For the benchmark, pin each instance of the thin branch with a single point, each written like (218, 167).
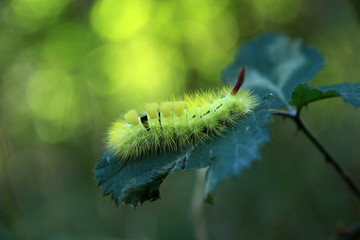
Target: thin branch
(330, 159)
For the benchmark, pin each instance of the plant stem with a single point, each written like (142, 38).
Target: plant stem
(198, 206)
(330, 159)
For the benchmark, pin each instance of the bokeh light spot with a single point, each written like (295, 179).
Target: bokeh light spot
(54, 103)
(277, 10)
(66, 46)
(117, 20)
(144, 69)
(33, 14)
(209, 44)
(203, 10)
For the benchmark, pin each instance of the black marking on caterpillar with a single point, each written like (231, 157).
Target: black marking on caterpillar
(179, 124)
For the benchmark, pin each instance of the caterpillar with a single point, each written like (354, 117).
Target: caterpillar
(179, 123)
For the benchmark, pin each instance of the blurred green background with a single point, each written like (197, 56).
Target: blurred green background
(68, 68)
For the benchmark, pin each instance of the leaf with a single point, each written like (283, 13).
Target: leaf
(236, 150)
(136, 181)
(275, 65)
(304, 94)
(139, 180)
(350, 92)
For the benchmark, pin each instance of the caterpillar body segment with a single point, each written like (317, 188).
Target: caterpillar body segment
(179, 124)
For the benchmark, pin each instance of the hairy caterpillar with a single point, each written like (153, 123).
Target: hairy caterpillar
(179, 124)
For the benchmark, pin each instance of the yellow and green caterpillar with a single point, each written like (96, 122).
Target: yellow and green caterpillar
(179, 123)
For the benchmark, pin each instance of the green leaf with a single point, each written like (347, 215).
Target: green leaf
(275, 64)
(236, 150)
(350, 92)
(304, 94)
(139, 180)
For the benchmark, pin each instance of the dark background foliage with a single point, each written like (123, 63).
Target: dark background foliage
(68, 68)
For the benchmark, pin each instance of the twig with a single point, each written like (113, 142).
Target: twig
(330, 159)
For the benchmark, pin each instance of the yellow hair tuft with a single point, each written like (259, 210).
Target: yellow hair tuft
(132, 117)
(152, 109)
(179, 108)
(165, 108)
(181, 123)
